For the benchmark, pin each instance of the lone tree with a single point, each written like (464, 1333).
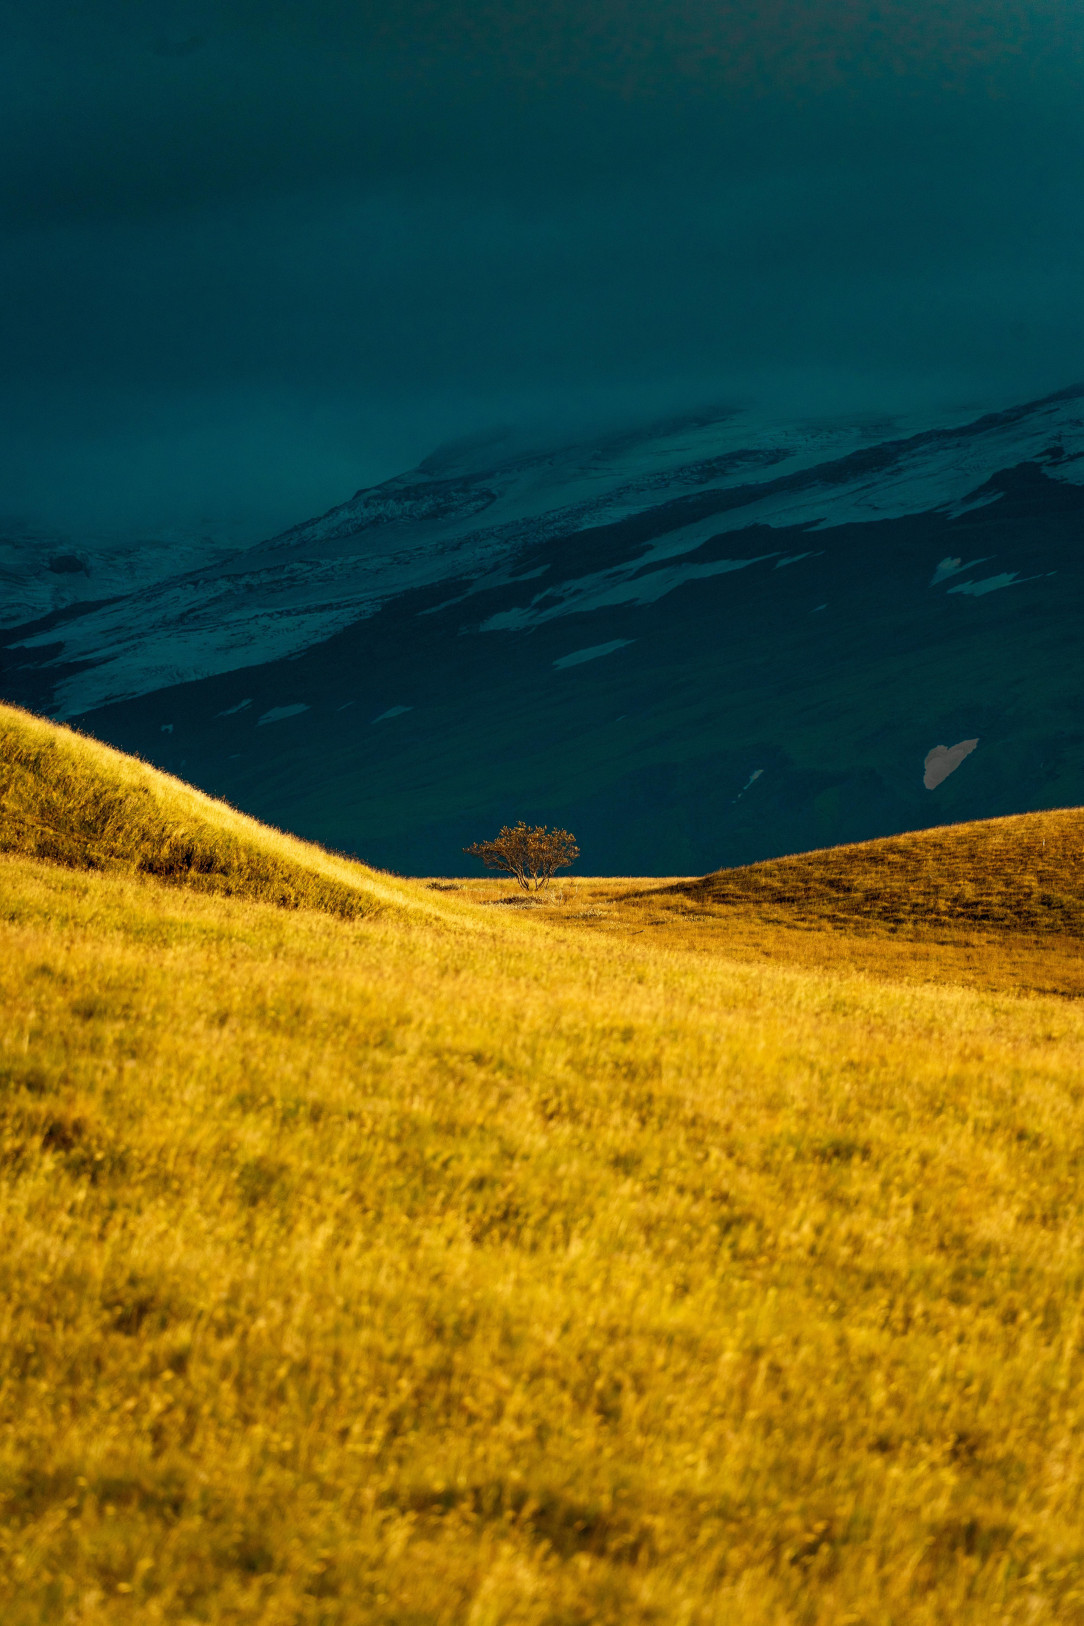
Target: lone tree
(531, 853)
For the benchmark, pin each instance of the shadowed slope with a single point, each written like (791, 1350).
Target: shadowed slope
(1021, 874)
(73, 801)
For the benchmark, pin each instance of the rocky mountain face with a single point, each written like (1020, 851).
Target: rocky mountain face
(715, 640)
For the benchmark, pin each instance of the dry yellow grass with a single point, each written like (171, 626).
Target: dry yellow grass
(1023, 874)
(997, 904)
(462, 1264)
(79, 803)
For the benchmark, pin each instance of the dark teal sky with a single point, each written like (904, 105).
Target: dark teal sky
(256, 255)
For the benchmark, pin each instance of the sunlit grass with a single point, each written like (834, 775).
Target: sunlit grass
(79, 803)
(460, 1263)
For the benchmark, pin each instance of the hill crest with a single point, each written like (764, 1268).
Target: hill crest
(1024, 872)
(73, 801)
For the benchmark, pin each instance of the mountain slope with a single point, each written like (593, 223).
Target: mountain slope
(709, 643)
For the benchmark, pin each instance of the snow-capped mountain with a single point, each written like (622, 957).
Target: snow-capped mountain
(476, 519)
(722, 585)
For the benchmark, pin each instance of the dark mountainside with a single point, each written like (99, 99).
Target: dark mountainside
(705, 645)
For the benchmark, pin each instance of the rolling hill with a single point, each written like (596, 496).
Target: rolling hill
(373, 1253)
(1021, 875)
(76, 802)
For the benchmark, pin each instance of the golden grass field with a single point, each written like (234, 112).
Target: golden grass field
(670, 1252)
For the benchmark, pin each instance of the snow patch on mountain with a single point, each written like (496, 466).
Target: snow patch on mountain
(609, 587)
(279, 714)
(593, 653)
(992, 584)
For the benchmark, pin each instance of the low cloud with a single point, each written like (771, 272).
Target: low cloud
(259, 256)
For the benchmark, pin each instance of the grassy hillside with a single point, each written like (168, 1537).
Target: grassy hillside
(459, 1264)
(1020, 874)
(75, 802)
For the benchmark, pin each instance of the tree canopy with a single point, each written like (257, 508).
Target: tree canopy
(532, 853)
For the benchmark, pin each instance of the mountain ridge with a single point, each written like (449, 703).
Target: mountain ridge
(614, 635)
